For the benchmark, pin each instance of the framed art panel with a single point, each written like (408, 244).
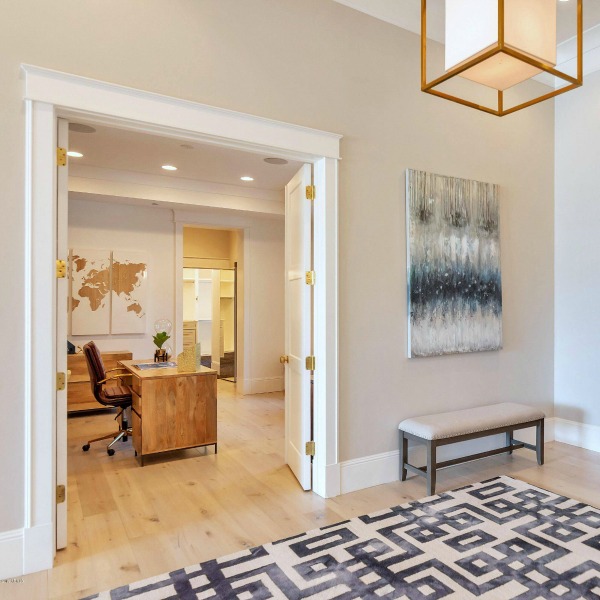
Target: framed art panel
(453, 253)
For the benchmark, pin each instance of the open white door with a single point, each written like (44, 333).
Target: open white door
(62, 287)
(298, 325)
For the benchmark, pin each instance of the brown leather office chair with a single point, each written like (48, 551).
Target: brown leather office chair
(118, 396)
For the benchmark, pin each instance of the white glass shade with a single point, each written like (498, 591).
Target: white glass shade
(472, 29)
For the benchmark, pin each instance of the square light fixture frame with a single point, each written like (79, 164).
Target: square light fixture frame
(501, 47)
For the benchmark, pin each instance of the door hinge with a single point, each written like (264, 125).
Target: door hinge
(310, 363)
(310, 192)
(310, 448)
(61, 269)
(61, 380)
(310, 278)
(61, 494)
(61, 157)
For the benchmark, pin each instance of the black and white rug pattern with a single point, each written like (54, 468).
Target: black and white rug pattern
(500, 539)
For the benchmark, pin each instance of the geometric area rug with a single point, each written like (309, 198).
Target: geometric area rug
(499, 539)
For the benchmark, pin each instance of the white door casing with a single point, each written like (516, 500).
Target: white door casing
(50, 94)
(298, 325)
(62, 289)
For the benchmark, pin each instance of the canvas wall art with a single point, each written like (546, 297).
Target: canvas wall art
(90, 292)
(454, 279)
(108, 292)
(129, 271)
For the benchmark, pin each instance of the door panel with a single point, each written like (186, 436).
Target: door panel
(62, 287)
(298, 342)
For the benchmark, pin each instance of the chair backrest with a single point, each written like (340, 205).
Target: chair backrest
(95, 366)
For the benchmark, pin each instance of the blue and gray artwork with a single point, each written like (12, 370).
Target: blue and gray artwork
(454, 283)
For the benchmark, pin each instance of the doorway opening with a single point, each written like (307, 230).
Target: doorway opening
(49, 95)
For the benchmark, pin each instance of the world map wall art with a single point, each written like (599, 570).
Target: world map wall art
(453, 253)
(108, 292)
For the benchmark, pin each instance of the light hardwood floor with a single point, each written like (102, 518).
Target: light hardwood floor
(127, 523)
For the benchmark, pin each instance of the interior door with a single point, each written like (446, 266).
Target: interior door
(62, 287)
(298, 325)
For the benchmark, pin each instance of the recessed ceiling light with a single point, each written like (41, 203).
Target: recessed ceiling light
(74, 154)
(246, 178)
(169, 168)
(81, 128)
(276, 161)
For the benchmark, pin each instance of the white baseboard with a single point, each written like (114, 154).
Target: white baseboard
(263, 385)
(383, 468)
(577, 434)
(11, 554)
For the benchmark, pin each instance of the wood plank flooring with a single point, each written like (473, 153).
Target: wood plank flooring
(127, 522)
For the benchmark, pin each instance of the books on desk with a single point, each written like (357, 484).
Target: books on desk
(160, 365)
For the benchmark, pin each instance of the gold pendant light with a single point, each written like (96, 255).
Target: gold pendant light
(498, 45)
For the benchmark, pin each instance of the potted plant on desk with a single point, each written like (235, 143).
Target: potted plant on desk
(161, 354)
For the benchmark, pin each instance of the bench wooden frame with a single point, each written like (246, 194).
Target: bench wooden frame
(429, 471)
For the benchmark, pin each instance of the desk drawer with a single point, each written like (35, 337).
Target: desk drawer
(136, 384)
(136, 403)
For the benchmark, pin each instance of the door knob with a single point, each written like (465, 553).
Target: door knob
(284, 359)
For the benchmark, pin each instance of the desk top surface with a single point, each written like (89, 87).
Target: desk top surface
(160, 373)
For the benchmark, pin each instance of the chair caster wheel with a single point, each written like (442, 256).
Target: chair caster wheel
(110, 451)
(124, 438)
(85, 447)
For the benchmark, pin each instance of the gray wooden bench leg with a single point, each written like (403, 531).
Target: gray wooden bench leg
(431, 467)
(403, 455)
(509, 440)
(539, 441)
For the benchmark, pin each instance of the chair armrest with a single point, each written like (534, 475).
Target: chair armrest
(117, 369)
(110, 378)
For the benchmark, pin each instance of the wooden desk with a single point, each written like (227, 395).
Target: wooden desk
(171, 410)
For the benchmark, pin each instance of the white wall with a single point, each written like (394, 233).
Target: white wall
(123, 227)
(577, 267)
(319, 64)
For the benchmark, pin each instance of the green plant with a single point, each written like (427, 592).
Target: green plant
(160, 338)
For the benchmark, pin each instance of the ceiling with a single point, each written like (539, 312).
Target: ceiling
(124, 150)
(407, 14)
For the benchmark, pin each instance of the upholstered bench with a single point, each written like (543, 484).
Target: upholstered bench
(460, 425)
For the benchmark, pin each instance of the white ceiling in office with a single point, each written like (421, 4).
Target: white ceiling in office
(124, 150)
(407, 14)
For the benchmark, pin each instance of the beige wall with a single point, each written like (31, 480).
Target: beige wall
(208, 243)
(323, 65)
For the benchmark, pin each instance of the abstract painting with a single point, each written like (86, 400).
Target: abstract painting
(453, 253)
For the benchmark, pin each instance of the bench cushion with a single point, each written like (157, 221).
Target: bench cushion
(470, 420)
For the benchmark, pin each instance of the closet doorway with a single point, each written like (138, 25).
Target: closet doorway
(210, 317)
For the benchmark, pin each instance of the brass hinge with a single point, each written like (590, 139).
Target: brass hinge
(310, 363)
(61, 157)
(61, 269)
(310, 192)
(310, 448)
(61, 494)
(61, 380)
(310, 278)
